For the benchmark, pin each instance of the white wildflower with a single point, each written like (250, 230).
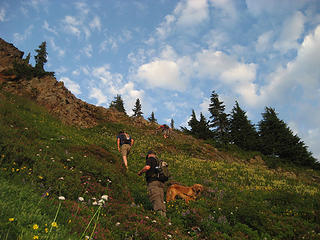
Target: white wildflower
(62, 198)
(94, 203)
(100, 202)
(81, 199)
(61, 178)
(169, 236)
(105, 197)
(154, 221)
(117, 224)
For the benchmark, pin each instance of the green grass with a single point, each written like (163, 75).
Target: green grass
(42, 159)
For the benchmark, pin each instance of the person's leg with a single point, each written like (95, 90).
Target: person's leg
(156, 196)
(124, 153)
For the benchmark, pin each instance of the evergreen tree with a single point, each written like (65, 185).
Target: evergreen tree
(278, 140)
(118, 104)
(193, 123)
(27, 59)
(172, 123)
(137, 109)
(40, 59)
(203, 128)
(219, 119)
(242, 132)
(152, 118)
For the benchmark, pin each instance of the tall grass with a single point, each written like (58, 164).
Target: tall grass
(42, 159)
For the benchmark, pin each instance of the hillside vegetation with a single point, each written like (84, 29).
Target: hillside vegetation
(42, 159)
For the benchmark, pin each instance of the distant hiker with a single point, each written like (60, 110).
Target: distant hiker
(124, 143)
(165, 130)
(155, 187)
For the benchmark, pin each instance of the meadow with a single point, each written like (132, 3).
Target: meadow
(64, 182)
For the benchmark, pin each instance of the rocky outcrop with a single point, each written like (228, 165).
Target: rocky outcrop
(8, 54)
(52, 94)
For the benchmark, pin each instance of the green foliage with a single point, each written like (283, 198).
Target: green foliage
(219, 119)
(278, 140)
(137, 109)
(42, 159)
(152, 118)
(242, 132)
(41, 59)
(118, 104)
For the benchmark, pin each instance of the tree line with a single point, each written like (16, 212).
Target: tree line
(271, 136)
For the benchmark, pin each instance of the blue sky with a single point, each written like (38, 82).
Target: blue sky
(171, 54)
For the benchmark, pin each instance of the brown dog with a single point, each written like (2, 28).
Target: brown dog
(187, 193)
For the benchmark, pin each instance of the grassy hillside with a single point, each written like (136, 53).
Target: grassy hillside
(42, 160)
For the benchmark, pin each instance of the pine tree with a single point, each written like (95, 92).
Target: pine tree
(219, 119)
(278, 140)
(152, 118)
(203, 128)
(193, 123)
(172, 123)
(40, 59)
(118, 104)
(242, 132)
(137, 109)
(27, 59)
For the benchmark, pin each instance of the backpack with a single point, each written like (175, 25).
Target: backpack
(161, 170)
(126, 139)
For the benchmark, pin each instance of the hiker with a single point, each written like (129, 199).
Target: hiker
(124, 143)
(155, 187)
(165, 130)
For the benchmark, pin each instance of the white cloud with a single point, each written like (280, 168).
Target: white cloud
(95, 23)
(56, 48)
(2, 14)
(264, 41)
(21, 37)
(88, 50)
(165, 27)
(48, 28)
(97, 94)
(71, 25)
(191, 13)
(71, 85)
(227, 7)
(291, 32)
(161, 73)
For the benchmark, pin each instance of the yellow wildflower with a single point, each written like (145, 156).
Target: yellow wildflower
(46, 230)
(40, 177)
(35, 237)
(35, 226)
(54, 224)
(11, 219)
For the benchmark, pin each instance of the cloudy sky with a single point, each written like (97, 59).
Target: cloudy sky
(171, 54)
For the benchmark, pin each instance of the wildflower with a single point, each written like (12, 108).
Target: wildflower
(100, 202)
(54, 224)
(105, 197)
(117, 224)
(11, 219)
(81, 199)
(35, 226)
(169, 236)
(47, 146)
(62, 198)
(69, 221)
(46, 230)
(26, 128)
(154, 221)
(40, 177)
(94, 203)
(61, 178)
(35, 237)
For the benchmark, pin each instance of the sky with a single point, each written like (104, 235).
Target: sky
(171, 54)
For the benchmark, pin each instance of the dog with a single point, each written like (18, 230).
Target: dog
(187, 193)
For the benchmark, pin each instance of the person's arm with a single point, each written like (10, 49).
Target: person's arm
(132, 141)
(144, 169)
(118, 143)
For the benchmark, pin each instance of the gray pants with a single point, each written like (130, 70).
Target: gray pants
(156, 195)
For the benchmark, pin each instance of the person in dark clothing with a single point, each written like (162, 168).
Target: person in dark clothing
(124, 143)
(165, 130)
(155, 187)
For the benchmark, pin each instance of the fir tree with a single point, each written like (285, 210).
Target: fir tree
(118, 104)
(27, 59)
(242, 132)
(152, 118)
(199, 129)
(193, 123)
(172, 123)
(219, 119)
(278, 140)
(137, 109)
(40, 59)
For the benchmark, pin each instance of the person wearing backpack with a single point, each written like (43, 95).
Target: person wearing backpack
(155, 182)
(124, 143)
